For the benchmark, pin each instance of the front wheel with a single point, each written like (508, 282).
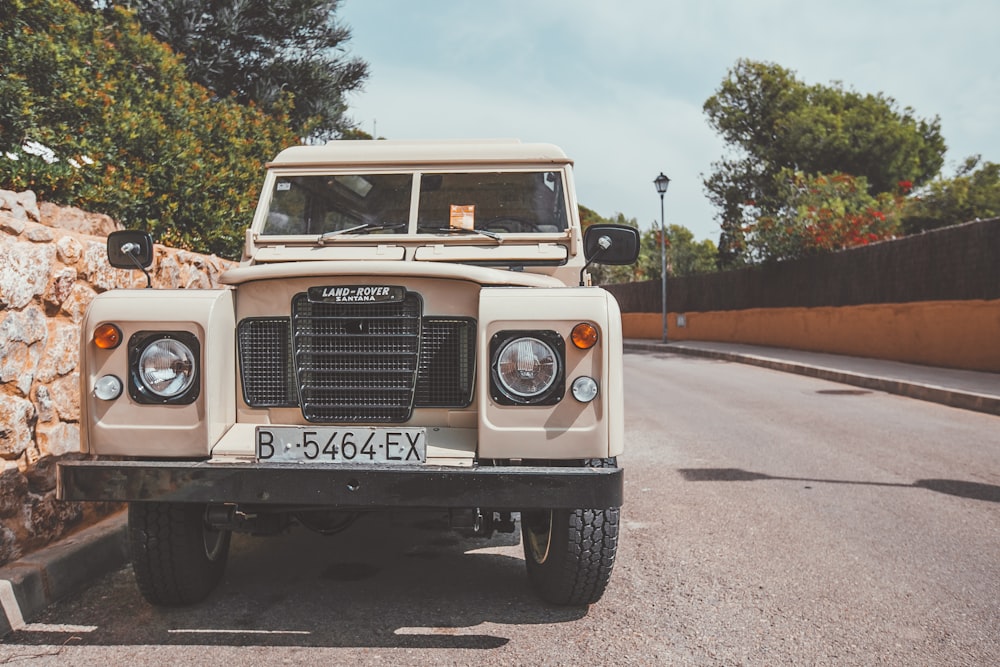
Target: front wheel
(177, 558)
(569, 554)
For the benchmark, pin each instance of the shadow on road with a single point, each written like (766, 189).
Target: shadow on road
(381, 584)
(951, 487)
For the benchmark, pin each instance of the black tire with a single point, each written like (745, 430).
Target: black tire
(177, 559)
(569, 554)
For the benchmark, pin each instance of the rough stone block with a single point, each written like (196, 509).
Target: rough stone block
(68, 249)
(24, 272)
(58, 439)
(62, 352)
(17, 417)
(13, 489)
(60, 286)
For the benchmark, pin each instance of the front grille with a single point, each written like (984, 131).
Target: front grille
(266, 365)
(356, 362)
(447, 360)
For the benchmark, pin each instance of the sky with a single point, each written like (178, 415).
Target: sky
(620, 86)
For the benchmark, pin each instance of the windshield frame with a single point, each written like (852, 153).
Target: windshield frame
(417, 174)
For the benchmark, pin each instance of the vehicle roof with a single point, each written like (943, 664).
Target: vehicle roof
(381, 152)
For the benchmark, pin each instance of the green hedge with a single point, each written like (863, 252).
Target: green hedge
(96, 114)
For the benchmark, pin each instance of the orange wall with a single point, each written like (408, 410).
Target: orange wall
(952, 334)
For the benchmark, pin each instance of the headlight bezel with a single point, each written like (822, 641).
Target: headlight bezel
(139, 391)
(501, 394)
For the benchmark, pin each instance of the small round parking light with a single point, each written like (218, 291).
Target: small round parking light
(585, 389)
(107, 336)
(584, 336)
(108, 388)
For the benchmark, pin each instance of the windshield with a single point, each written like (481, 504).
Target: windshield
(522, 202)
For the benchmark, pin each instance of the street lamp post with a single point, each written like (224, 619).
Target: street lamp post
(661, 182)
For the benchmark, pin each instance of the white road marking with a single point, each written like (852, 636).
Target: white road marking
(202, 631)
(57, 627)
(514, 551)
(449, 631)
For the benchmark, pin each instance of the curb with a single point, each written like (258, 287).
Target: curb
(29, 585)
(951, 397)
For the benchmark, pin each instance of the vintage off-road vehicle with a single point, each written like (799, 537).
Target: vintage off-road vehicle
(411, 327)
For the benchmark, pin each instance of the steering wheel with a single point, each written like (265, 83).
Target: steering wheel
(510, 225)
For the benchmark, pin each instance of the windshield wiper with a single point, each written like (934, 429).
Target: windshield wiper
(463, 230)
(366, 227)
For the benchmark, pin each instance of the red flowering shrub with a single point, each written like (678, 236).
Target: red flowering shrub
(823, 213)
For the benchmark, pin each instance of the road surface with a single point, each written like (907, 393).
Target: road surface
(770, 519)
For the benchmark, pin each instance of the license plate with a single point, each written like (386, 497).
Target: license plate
(330, 444)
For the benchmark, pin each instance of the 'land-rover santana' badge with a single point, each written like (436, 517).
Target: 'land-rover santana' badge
(357, 294)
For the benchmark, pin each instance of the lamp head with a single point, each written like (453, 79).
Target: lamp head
(661, 182)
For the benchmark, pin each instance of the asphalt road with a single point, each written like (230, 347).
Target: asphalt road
(770, 519)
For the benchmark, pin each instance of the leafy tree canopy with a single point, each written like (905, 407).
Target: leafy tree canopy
(589, 217)
(973, 193)
(96, 113)
(773, 124)
(259, 50)
(685, 256)
(823, 213)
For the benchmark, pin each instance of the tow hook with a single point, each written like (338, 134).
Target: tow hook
(479, 523)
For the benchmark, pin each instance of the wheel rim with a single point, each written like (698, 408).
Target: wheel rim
(214, 541)
(539, 535)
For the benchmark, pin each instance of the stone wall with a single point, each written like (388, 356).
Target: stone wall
(52, 264)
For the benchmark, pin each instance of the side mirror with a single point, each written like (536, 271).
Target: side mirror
(129, 249)
(611, 244)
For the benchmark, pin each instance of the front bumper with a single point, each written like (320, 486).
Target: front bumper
(510, 488)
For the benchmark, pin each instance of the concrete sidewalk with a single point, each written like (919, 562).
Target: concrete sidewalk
(969, 390)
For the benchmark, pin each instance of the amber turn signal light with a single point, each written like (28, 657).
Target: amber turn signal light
(107, 336)
(584, 336)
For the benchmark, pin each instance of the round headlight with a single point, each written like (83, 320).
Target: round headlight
(527, 367)
(167, 367)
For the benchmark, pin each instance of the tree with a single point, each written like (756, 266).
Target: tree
(824, 213)
(601, 274)
(95, 113)
(973, 193)
(772, 122)
(685, 256)
(259, 50)
(589, 217)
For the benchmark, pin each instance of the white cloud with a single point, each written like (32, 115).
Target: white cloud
(620, 85)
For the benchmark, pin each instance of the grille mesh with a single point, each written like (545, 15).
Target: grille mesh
(356, 362)
(266, 362)
(447, 360)
(358, 377)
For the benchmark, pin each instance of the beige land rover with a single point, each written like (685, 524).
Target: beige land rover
(411, 328)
